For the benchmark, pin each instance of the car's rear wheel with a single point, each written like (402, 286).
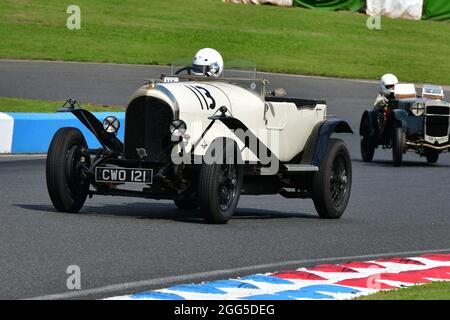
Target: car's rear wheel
(331, 185)
(367, 149)
(398, 143)
(432, 156)
(220, 185)
(66, 185)
(367, 145)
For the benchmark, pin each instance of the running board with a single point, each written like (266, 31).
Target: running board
(301, 168)
(291, 168)
(295, 194)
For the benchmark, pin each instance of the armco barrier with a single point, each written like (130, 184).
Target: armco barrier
(32, 132)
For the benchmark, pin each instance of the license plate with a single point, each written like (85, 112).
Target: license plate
(111, 174)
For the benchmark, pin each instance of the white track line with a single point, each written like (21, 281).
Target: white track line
(132, 286)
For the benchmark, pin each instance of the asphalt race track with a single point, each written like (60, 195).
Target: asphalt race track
(123, 244)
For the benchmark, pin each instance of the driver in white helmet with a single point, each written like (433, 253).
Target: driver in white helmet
(388, 82)
(207, 62)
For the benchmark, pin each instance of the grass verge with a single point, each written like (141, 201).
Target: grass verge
(29, 105)
(290, 40)
(431, 291)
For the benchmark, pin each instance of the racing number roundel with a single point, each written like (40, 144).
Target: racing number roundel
(204, 97)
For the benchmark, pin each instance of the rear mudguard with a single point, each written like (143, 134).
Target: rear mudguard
(235, 124)
(372, 129)
(107, 140)
(317, 144)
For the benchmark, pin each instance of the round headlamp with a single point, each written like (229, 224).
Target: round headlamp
(111, 124)
(418, 109)
(178, 128)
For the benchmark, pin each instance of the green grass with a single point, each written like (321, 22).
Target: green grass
(431, 291)
(291, 40)
(28, 105)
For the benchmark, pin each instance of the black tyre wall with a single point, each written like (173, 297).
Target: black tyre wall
(65, 186)
(321, 184)
(208, 184)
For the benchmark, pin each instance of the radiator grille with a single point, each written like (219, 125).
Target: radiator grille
(437, 126)
(147, 125)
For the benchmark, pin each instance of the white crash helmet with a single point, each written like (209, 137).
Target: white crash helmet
(207, 62)
(388, 81)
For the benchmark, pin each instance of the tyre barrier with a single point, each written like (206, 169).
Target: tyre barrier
(32, 132)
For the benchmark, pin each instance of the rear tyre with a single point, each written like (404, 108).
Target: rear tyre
(432, 156)
(367, 149)
(331, 185)
(66, 185)
(220, 184)
(367, 145)
(398, 146)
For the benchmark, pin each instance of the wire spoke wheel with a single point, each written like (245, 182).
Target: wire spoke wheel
(220, 184)
(74, 175)
(331, 185)
(227, 187)
(338, 180)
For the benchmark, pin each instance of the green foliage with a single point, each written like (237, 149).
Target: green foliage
(432, 291)
(290, 40)
(27, 105)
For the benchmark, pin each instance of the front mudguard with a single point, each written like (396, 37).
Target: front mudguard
(317, 144)
(401, 116)
(370, 118)
(107, 140)
(412, 125)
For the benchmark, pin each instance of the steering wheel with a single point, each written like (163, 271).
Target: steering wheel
(188, 70)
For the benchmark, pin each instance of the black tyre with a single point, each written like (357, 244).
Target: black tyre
(65, 183)
(398, 145)
(367, 145)
(432, 156)
(220, 185)
(367, 149)
(331, 185)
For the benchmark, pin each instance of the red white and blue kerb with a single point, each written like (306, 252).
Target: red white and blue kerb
(327, 281)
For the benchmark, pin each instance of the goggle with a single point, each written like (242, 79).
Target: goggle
(208, 70)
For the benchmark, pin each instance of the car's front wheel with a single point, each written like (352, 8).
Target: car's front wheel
(331, 185)
(398, 145)
(220, 187)
(66, 185)
(432, 156)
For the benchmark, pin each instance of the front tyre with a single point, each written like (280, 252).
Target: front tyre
(220, 186)
(432, 156)
(331, 185)
(398, 146)
(66, 185)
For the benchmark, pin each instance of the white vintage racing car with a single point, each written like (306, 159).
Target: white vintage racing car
(203, 142)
